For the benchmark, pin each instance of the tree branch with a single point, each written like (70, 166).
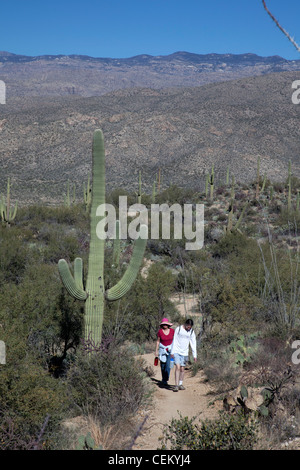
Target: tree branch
(280, 27)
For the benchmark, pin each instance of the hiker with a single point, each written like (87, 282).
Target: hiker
(163, 347)
(183, 337)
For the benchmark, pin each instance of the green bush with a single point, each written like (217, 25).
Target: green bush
(28, 396)
(41, 313)
(149, 302)
(110, 385)
(13, 255)
(228, 432)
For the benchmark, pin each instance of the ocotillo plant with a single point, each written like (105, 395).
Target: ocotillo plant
(7, 213)
(94, 293)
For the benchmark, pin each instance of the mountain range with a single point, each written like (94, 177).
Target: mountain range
(182, 113)
(61, 75)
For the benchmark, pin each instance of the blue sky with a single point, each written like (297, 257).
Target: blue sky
(124, 28)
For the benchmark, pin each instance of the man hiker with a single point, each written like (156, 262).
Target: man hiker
(183, 337)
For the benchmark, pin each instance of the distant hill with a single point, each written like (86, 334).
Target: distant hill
(44, 141)
(62, 75)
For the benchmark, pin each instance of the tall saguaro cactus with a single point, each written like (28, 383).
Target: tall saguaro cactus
(94, 293)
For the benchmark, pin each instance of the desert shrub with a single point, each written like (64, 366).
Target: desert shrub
(113, 197)
(174, 194)
(28, 396)
(279, 186)
(190, 279)
(36, 216)
(218, 367)
(110, 385)
(40, 311)
(228, 432)
(73, 215)
(288, 221)
(59, 245)
(150, 302)
(230, 303)
(13, 255)
(233, 243)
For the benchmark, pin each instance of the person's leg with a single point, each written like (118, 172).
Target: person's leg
(177, 360)
(177, 374)
(168, 367)
(163, 366)
(181, 377)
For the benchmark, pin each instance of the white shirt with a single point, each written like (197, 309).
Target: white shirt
(181, 341)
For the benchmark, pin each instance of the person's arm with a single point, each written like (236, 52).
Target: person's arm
(193, 346)
(157, 347)
(174, 342)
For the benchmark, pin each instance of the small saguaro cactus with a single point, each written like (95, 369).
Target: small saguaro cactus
(139, 194)
(230, 227)
(211, 182)
(87, 194)
(6, 211)
(159, 180)
(94, 293)
(264, 183)
(67, 197)
(154, 192)
(297, 200)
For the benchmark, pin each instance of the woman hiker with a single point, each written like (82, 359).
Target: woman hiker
(163, 347)
(183, 337)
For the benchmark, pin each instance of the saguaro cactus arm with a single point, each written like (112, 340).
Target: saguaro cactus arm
(70, 282)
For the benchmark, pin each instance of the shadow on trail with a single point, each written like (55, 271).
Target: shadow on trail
(159, 384)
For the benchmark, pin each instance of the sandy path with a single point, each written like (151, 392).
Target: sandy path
(194, 401)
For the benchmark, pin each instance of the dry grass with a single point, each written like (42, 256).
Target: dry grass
(107, 437)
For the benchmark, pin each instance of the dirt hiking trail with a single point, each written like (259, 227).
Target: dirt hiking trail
(193, 401)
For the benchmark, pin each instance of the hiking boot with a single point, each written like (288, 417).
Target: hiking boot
(176, 389)
(181, 387)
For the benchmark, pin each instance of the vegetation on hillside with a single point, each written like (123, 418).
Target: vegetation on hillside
(246, 279)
